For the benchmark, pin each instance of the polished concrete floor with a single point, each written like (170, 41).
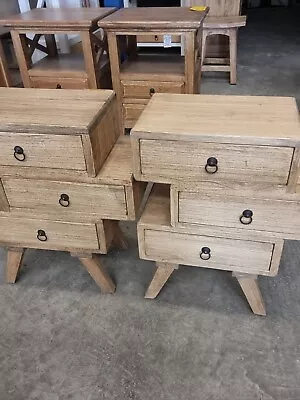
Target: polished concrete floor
(61, 339)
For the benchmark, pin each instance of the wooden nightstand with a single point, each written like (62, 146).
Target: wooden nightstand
(65, 175)
(140, 76)
(232, 168)
(89, 70)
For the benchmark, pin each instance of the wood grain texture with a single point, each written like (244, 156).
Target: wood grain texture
(86, 202)
(4, 205)
(227, 119)
(22, 232)
(146, 89)
(146, 18)
(14, 261)
(51, 111)
(166, 161)
(98, 273)
(161, 275)
(252, 293)
(57, 18)
(224, 22)
(45, 82)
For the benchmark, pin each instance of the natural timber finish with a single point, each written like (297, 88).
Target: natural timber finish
(65, 176)
(162, 274)
(226, 191)
(249, 285)
(90, 70)
(140, 76)
(5, 79)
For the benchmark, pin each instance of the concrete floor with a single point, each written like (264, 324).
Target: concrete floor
(60, 339)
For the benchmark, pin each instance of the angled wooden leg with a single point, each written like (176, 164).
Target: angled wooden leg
(98, 273)
(14, 261)
(233, 54)
(162, 274)
(119, 240)
(252, 292)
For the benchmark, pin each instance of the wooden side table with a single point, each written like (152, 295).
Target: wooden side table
(140, 76)
(62, 71)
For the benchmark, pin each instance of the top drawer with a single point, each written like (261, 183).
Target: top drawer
(167, 161)
(42, 151)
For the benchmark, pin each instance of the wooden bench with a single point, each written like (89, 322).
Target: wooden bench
(225, 26)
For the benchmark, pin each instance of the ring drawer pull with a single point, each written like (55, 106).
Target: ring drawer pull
(211, 166)
(205, 253)
(41, 235)
(64, 200)
(19, 153)
(156, 38)
(58, 86)
(151, 91)
(247, 217)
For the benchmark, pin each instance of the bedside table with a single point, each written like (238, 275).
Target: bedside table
(232, 165)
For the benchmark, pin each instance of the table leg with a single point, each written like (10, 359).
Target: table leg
(252, 292)
(162, 274)
(14, 261)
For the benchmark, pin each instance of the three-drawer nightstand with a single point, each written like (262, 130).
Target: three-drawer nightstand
(230, 166)
(65, 176)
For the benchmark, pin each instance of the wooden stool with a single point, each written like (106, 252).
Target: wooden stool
(5, 79)
(225, 26)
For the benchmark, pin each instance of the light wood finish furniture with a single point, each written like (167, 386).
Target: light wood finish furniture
(227, 195)
(66, 176)
(223, 20)
(89, 70)
(140, 76)
(5, 79)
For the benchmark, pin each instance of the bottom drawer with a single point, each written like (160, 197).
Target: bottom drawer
(156, 38)
(45, 82)
(206, 251)
(50, 235)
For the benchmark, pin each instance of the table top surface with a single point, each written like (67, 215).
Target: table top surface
(41, 111)
(75, 18)
(154, 18)
(232, 119)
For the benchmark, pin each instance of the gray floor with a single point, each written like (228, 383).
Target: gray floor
(60, 339)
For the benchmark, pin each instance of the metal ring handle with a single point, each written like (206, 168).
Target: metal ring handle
(211, 166)
(247, 217)
(151, 91)
(58, 86)
(41, 235)
(64, 200)
(19, 153)
(156, 38)
(205, 253)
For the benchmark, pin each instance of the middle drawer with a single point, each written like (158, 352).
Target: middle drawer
(67, 201)
(259, 214)
(145, 89)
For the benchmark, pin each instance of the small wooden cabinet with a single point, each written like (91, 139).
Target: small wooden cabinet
(88, 69)
(136, 77)
(227, 185)
(65, 175)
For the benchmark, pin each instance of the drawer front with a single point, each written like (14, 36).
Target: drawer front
(132, 113)
(68, 200)
(145, 89)
(244, 213)
(42, 151)
(50, 235)
(58, 83)
(156, 38)
(169, 161)
(225, 254)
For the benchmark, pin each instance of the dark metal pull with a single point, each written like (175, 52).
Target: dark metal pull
(156, 38)
(247, 217)
(151, 91)
(19, 153)
(211, 166)
(205, 253)
(64, 200)
(41, 235)
(58, 86)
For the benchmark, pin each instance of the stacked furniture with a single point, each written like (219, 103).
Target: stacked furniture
(65, 176)
(140, 76)
(86, 70)
(230, 166)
